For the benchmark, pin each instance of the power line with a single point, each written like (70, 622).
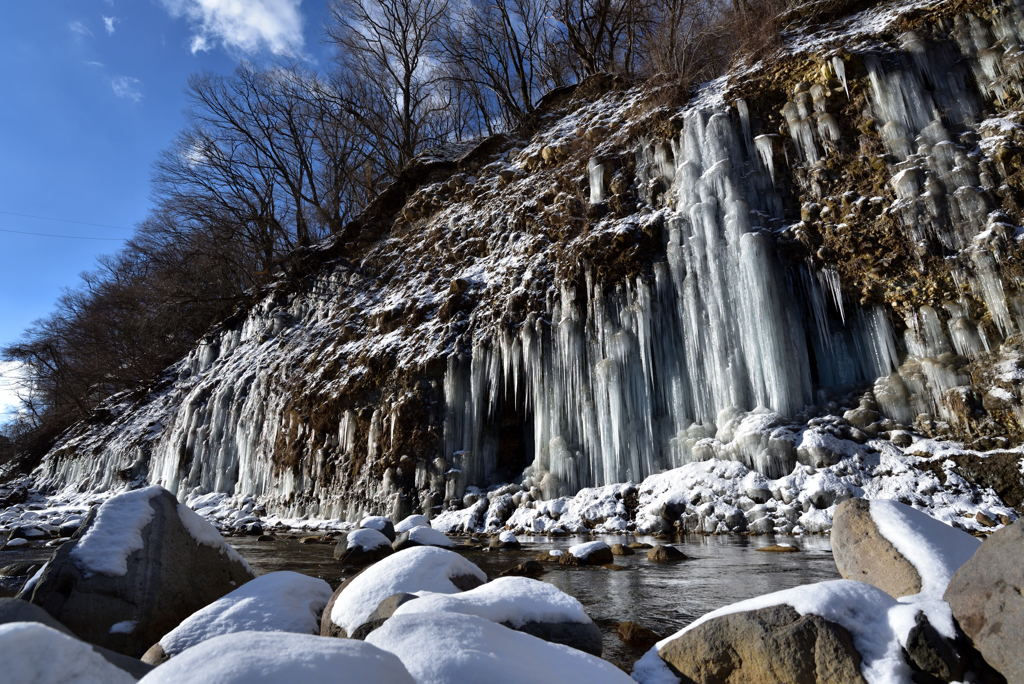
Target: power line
(58, 220)
(57, 235)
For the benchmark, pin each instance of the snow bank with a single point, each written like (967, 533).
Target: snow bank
(276, 602)
(366, 539)
(33, 652)
(513, 601)
(116, 532)
(874, 619)
(275, 657)
(442, 648)
(417, 569)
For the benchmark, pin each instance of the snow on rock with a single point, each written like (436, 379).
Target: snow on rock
(874, 619)
(507, 537)
(15, 543)
(410, 522)
(374, 522)
(587, 549)
(33, 652)
(416, 569)
(935, 549)
(276, 602)
(428, 536)
(205, 533)
(116, 532)
(513, 601)
(275, 657)
(440, 648)
(366, 539)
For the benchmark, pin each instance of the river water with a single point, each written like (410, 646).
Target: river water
(663, 597)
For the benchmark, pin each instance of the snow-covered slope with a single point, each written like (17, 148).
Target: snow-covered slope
(630, 288)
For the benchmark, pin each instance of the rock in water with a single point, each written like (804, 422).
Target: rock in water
(588, 553)
(421, 568)
(665, 554)
(276, 602)
(140, 564)
(896, 548)
(421, 536)
(987, 598)
(380, 524)
(773, 644)
(363, 547)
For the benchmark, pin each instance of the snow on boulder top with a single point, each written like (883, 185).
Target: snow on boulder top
(507, 537)
(33, 652)
(420, 568)
(116, 532)
(275, 657)
(587, 548)
(428, 536)
(276, 602)
(440, 648)
(366, 539)
(513, 601)
(874, 619)
(935, 549)
(412, 521)
(374, 522)
(205, 533)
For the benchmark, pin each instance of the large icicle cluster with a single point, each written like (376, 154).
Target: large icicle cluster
(477, 339)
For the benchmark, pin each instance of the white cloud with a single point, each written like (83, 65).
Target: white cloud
(79, 28)
(245, 25)
(94, 63)
(109, 24)
(127, 87)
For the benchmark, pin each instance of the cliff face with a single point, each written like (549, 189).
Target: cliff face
(634, 287)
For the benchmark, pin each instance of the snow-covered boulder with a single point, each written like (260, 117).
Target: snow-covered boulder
(422, 535)
(363, 547)
(588, 553)
(33, 652)
(276, 602)
(380, 524)
(406, 524)
(987, 598)
(524, 604)
(440, 648)
(138, 566)
(15, 610)
(505, 540)
(896, 548)
(421, 568)
(275, 657)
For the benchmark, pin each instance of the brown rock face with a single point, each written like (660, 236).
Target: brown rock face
(774, 644)
(169, 578)
(665, 554)
(863, 554)
(987, 598)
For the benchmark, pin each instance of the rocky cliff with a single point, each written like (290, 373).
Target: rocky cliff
(820, 246)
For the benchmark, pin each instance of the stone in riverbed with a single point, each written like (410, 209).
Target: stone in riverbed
(529, 568)
(588, 553)
(637, 635)
(778, 548)
(773, 644)
(140, 564)
(987, 598)
(362, 547)
(861, 552)
(665, 554)
(380, 524)
(622, 550)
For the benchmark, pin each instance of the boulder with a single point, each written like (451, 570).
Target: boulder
(380, 524)
(636, 635)
(33, 652)
(987, 598)
(417, 569)
(140, 564)
(896, 548)
(522, 604)
(250, 657)
(773, 644)
(362, 547)
(588, 553)
(410, 522)
(505, 540)
(529, 568)
(281, 601)
(421, 536)
(15, 610)
(384, 610)
(665, 554)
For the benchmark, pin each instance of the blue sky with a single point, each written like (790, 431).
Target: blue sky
(93, 91)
